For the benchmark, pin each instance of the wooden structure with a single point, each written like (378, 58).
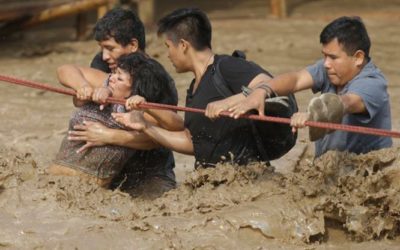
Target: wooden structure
(146, 9)
(278, 8)
(17, 15)
(24, 15)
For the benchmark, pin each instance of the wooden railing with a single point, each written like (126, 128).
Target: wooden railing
(31, 14)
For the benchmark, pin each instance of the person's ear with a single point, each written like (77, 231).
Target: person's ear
(133, 45)
(185, 45)
(359, 57)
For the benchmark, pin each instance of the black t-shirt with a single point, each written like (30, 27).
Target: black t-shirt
(223, 139)
(98, 63)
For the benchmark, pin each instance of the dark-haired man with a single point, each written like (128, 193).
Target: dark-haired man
(188, 39)
(347, 79)
(121, 32)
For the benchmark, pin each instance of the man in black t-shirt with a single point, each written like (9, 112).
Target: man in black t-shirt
(188, 39)
(222, 139)
(121, 32)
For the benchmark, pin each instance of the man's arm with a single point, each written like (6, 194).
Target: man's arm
(166, 119)
(81, 79)
(353, 104)
(76, 77)
(214, 109)
(179, 141)
(291, 82)
(282, 85)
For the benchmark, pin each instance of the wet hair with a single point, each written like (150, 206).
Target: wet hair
(149, 78)
(122, 25)
(190, 24)
(350, 33)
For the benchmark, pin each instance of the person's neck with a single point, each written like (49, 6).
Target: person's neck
(359, 69)
(200, 63)
(365, 62)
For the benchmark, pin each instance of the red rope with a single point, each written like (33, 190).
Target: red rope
(334, 126)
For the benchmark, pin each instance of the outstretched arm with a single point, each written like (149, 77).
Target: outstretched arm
(166, 119)
(179, 141)
(82, 79)
(75, 77)
(214, 109)
(282, 85)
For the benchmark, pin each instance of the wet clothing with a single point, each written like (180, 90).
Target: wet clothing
(147, 173)
(371, 86)
(223, 139)
(130, 168)
(103, 161)
(146, 165)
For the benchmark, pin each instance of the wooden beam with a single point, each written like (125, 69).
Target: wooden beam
(278, 8)
(13, 14)
(81, 26)
(64, 10)
(146, 11)
(53, 13)
(102, 10)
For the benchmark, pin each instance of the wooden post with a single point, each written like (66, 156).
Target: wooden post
(278, 8)
(146, 11)
(81, 26)
(101, 11)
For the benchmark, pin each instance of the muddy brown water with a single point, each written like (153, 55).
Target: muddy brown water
(340, 201)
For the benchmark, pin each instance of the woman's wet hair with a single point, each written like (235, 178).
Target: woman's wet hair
(350, 33)
(122, 25)
(149, 78)
(190, 24)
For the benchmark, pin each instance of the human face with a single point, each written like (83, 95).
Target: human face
(120, 84)
(340, 67)
(176, 55)
(112, 50)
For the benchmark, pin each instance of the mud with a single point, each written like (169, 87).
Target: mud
(359, 192)
(341, 201)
